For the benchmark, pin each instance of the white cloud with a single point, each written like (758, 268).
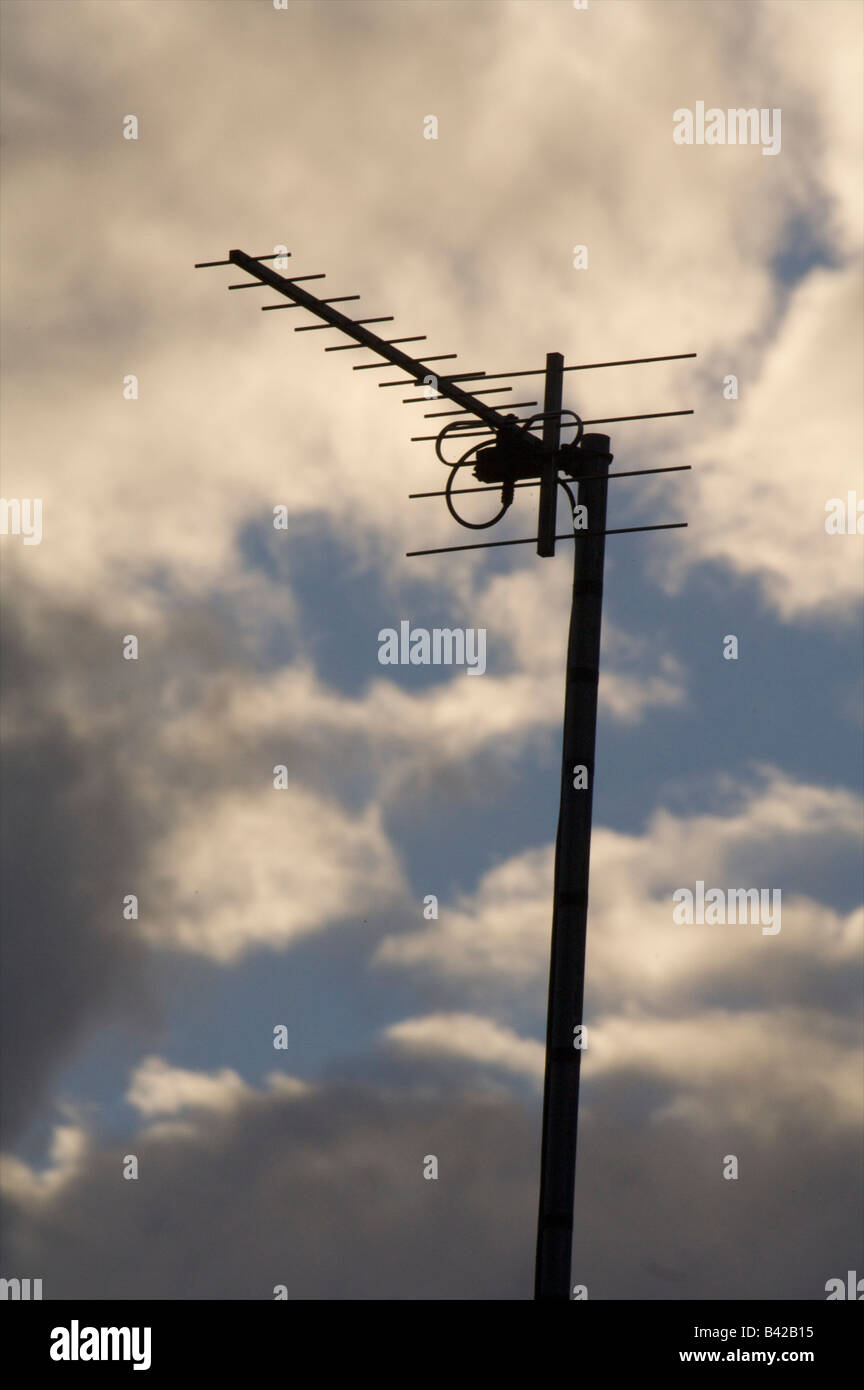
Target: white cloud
(470, 1038)
(266, 868)
(790, 443)
(736, 1065)
(71, 1146)
(157, 1088)
(501, 931)
(236, 414)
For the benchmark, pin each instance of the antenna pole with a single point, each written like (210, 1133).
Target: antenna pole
(570, 904)
(552, 439)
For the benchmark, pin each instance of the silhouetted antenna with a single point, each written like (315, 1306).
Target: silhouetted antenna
(508, 457)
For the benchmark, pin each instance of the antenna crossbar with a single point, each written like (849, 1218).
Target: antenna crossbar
(535, 482)
(608, 420)
(532, 540)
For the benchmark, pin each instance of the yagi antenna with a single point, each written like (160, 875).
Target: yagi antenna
(515, 452)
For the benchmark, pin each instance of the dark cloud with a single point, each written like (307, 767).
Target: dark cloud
(77, 828)
(70, 849)
(326, 1195)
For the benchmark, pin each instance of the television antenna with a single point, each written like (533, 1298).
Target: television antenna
(508, 456)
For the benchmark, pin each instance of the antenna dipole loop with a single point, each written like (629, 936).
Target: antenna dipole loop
(453, 428)
(506, 500)
(507, 490)
(526, 423)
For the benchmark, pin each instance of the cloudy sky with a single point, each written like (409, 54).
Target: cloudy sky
(303, 908)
